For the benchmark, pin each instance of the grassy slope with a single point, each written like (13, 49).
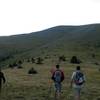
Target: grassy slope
(57, 39)
(21, 86)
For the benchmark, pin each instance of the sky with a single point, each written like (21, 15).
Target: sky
(25, 16)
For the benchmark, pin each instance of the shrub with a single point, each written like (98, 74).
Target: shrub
(39, 60)
(62, 58)
(75, 60)
(32, 60)
(32, 71)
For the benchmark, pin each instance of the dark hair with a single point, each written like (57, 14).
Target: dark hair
(78, 68)
(57, 66)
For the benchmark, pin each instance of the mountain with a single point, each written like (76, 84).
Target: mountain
(52, 41)
(60, 41)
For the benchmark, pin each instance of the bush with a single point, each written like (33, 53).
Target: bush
(10, 66)
(15, 64)
(32, 60)
(96, 63)
(39, 60)
(75, 60)
(20, 62)
(32, 71)
(62, 58)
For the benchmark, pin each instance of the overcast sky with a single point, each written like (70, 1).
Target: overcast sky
(24, 16)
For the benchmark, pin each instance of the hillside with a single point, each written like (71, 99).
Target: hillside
(50, 44)
(53, 41)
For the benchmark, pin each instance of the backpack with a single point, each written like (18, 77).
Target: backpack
(79, 78)
(57, 77)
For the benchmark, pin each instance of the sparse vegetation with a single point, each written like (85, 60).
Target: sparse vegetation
(22, 86)
(75, 60)
(33, 60)
(47, 47)
(62, 58)
(39, 60)
(32, 71)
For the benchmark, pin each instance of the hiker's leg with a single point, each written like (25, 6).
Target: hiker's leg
(57, 94)
(77, 93)
(58, 91)
(55, 91)
(77, 97)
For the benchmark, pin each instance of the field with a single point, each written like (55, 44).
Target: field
(22, 86)
(81, 41)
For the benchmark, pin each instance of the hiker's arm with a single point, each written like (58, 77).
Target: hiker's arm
(72, 79)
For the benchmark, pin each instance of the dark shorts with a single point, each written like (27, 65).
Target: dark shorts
(57, 87)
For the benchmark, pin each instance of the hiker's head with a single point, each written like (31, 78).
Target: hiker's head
(78, 68)
(57, 66)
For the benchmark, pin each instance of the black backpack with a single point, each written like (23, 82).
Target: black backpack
(79, 78)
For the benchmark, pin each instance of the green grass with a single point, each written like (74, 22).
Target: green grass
(21, 86)
(54, 42)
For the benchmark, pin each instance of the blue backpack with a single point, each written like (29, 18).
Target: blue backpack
(79, 78)
(57, 76)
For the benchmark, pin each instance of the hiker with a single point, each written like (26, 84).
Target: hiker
(77, 81)
(2, 78)
(58, 77)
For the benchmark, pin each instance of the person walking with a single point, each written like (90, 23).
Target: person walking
(77, 81)
(58, 77)
(2, 79)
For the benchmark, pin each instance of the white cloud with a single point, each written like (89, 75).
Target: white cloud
(23, 16)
